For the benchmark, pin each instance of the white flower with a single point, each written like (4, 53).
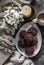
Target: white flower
(21, 16)
(6, 15)
(16, 7)
(16, 15)
(20, 12)
(7, 11)
(13, 16)
(15, 25)
(12, 11)
(9, 21)
(13, 22)
(17, 21)
(20, 7)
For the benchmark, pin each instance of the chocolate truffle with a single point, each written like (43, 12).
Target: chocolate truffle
(21, 43)
(32, 30)
(28, 38)
(23, 33)
(29, 50)
(35, 40)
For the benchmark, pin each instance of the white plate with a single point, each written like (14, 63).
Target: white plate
(37, 47)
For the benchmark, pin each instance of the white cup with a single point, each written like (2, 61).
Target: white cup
(37, 20)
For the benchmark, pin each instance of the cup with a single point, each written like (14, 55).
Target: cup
(39, 19)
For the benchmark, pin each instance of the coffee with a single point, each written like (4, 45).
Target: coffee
(41, 18)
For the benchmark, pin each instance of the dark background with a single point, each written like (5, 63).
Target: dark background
(39, 6)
